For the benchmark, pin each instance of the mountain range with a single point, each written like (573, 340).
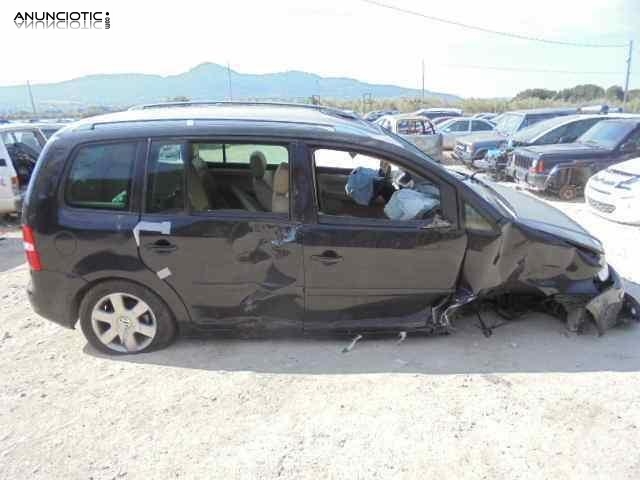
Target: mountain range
(207, 81)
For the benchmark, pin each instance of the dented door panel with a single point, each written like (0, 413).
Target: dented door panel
(232, 271)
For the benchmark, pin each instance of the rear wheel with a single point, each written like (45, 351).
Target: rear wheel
(120, 317)
(567, 193)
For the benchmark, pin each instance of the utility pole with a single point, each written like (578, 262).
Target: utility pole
(423, 81)
(366, 99)
(626, 82)
(229, 77)
(33, 103)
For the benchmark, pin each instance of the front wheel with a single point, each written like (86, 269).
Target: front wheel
(121, 317)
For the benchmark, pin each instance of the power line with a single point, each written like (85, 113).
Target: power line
(528, 70)
(494, 32)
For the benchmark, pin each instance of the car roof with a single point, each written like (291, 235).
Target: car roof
(310, 115)
(234, 119)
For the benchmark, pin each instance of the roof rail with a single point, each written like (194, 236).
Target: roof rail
(198, 103)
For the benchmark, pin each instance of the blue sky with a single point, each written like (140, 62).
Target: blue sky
(334, 38)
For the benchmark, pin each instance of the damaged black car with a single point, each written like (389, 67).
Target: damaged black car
(219, 217)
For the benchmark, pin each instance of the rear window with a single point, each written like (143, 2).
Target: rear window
(100, 177)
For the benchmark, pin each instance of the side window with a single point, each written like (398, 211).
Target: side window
(101, 176)
(459, 126)
(576, 129)
(553, 136)
(478, 126)
(403, 127)
(263, 186)
(28, 138)
(355, 185)
(165, 178)
(474, 220)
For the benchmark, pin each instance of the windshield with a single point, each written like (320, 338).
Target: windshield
(607, 134)
(508, 123)
(529, 133)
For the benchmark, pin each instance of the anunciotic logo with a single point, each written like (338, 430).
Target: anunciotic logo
(62, 20)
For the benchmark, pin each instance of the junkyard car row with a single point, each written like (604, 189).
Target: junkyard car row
(223, 217)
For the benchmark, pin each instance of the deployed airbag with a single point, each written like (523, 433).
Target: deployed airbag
(360, 185)
(408, 204)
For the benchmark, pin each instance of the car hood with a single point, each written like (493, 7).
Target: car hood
(630, 167)
(538, 215)
(573, 150)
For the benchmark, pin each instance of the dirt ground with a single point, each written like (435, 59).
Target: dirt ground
(531, 401)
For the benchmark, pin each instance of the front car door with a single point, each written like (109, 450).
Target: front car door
(376, 258)
(235, 261)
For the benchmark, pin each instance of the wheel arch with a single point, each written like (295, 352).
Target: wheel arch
(165, 293)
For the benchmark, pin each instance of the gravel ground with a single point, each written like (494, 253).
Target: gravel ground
(532, 401)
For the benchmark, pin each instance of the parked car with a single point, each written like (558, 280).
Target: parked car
(476, 146)
(452, 129)
(564, 169)
(565, 129)
(163, 219)
(418, 130)
(438, 112)
(614, 193)
(20, 145)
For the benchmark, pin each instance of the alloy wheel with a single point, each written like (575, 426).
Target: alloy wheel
(123, 322)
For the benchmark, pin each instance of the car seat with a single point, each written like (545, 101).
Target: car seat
(262, 182)
(280, 200)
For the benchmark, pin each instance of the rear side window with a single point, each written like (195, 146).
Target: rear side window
(101, 176)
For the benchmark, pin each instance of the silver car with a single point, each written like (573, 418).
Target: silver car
(452, 129)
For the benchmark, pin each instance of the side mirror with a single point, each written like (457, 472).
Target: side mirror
(628, 147)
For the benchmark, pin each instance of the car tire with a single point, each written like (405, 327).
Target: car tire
(567, 193)
(119, 317)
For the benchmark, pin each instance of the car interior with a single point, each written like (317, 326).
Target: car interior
(246, 177)
(352, 184)
(255, 178)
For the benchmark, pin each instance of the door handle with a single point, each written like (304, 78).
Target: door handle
(328, 257)
(161, 246)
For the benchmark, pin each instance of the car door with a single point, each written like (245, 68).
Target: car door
(8, 182)
(363, 270)
(232, 263)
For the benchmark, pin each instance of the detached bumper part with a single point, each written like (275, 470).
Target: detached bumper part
(613, 306)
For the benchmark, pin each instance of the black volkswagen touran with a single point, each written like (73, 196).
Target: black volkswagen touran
(218, 217)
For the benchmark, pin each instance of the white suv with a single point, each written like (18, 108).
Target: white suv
(20, 145)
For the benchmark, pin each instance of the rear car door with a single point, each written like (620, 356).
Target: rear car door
(208, 230)
(364, 269)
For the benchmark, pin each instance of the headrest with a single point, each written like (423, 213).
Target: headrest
(258, 164)
(281, 179)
